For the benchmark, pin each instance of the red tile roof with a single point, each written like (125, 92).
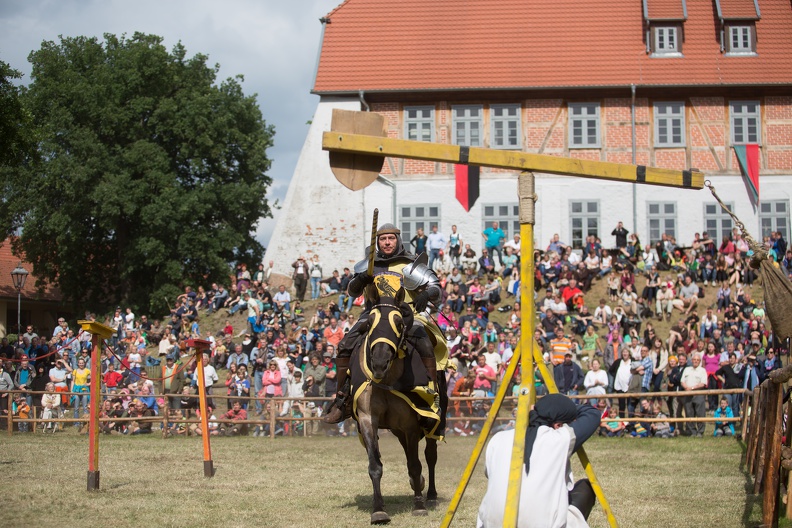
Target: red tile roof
(664, 10)
(738, 9)
(7, 264)
(422, 45)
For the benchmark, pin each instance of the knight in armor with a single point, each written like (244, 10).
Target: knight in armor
(421, 286)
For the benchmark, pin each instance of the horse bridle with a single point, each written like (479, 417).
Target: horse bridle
(403, 336)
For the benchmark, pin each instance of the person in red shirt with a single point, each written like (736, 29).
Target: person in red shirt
(237, 414)
(572, 296)
(111, 378)
(485, 375)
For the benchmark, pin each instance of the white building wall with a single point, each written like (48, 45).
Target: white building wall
(321, 216)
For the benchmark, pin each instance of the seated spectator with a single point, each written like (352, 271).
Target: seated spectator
(138, 409)
(688, 297)
(659, 429)
(236, 414)
(486, 263)
(724, 411)
(612, 425)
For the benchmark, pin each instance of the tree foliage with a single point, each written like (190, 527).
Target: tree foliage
(150, 174)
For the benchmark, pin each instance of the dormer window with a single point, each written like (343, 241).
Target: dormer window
(738, 26)
(666, 40)
(740, 38)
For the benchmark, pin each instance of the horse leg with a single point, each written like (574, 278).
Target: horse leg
(430, 452)
(414, 470)
(368, 428)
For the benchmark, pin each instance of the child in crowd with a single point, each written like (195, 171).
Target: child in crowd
(724, 411)
(22, 412)
(612, 425)
(660, 429)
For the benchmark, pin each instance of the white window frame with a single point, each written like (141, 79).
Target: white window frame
(723, 222)
(580, 116)
(666, 222)
(469, 123)
(585, 215)
(774, 216)
(420, 120)
(745, 39)
(666, 119)
(666, 40)
(740, 115)
(502, 125)
(419, 215)
(508, 219)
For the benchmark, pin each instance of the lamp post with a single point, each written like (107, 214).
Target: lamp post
(19, 276)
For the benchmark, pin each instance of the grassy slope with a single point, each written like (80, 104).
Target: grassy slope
(318, 482)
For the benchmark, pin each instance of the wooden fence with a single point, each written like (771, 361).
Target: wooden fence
(273, 420)
(768, 456)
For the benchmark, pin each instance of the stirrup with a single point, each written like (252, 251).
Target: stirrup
(338, 411)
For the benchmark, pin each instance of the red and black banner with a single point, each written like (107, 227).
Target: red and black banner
(467, 185)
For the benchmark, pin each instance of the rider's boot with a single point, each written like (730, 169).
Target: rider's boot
(431, 369)
(341, 408)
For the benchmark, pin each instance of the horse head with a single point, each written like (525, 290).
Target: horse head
(390, 319)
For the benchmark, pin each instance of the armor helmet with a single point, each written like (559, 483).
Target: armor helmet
(390, 229)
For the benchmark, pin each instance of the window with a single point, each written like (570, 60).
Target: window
(745, 122)
(669, 124)
(666, 40)
(661, 218)
(717, 222)
(507, 216)
(467, 125)
(419, 123)
(774, 216)
(739, 39)
(584, 216)
(505, 123)
(584, 125)
(418, 216)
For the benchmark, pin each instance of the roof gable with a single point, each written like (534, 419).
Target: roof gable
(419, 45)
(655, 10)
(738, 9)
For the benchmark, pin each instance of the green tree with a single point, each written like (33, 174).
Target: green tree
(151, 175)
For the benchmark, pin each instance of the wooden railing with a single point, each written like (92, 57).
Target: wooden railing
(767, 455)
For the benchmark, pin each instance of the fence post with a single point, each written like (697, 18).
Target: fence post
(754, 427)
(761, 451)
(773, 460)
(10, 413)
(165, 411)
(744, 416)
(273, 412)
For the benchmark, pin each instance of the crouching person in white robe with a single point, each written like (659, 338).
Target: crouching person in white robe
(548, 499)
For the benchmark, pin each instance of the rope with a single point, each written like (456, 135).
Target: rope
(759, 252)
(48, 354)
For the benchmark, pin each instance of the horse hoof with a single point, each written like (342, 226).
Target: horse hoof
(420, 513)
(380, 517)
(432, 503)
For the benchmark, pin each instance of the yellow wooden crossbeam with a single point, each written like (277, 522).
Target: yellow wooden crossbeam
(509, 159)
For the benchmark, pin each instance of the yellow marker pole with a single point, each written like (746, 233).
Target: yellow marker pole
(200, 345)
(99, 332)
(482, 439)
(584, 460)
(527, 394)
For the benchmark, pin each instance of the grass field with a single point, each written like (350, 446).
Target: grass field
(323, 482)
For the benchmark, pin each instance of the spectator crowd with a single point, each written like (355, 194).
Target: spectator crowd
(603, 345)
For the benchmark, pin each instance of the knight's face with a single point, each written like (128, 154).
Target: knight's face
(387, 244)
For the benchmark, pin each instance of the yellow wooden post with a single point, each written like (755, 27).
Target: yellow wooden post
(99, 333)
(527, 394)
(200, 345)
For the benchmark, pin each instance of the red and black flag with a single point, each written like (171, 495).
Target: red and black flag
(467, 184)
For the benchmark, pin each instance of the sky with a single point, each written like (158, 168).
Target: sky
(274, 44)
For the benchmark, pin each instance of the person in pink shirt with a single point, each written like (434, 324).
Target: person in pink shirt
(710, 360)
(485, 375)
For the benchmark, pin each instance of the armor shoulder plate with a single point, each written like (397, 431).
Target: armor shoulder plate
(361, 266)
(418, 274)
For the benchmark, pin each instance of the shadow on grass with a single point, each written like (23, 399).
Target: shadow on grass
(394, 504)
(751, 500)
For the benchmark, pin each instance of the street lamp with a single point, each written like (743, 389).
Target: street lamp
(19, 276)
